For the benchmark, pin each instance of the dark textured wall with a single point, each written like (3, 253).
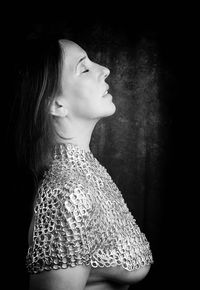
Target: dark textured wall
(129, 143)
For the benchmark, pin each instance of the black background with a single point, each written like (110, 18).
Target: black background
(168, 30)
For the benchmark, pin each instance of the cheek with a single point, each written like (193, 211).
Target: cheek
(86, 89)
(85, 98)
(88, 107)
(85, 101)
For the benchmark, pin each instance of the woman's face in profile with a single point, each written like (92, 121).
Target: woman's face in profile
(84, 89)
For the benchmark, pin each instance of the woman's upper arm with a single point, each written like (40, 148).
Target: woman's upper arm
(63, 279)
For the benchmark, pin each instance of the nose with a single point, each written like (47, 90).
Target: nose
(106, 72)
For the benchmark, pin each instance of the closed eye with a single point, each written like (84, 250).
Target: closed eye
(85, 71)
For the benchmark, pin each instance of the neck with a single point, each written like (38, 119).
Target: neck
(78, 133)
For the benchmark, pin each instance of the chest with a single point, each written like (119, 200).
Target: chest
(102, 279)
(108, 201)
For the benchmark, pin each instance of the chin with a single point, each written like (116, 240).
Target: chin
(110, 110)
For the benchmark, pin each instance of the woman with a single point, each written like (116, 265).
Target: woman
(82, 235)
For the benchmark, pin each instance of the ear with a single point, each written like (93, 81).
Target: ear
(58, 109)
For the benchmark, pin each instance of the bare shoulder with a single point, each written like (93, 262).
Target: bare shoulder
(62, 279)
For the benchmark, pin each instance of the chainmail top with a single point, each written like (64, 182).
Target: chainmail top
(80, 217)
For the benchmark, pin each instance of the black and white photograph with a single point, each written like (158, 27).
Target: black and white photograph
(93, 190)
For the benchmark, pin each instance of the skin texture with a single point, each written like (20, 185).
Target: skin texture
(117, 276)
(63, 279)
(87, 278)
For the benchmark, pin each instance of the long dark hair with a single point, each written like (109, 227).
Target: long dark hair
(40, 82)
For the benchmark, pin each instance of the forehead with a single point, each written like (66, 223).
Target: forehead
(72, 51)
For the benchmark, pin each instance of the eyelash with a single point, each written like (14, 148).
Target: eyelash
(87, 70)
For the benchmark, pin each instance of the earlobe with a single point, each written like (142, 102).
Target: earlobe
(57, 109)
